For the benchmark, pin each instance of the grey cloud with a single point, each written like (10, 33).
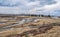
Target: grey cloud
(25, 6)
(9, 3)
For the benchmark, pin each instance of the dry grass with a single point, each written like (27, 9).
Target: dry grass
(54, 32)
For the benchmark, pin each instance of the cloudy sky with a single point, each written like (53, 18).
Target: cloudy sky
(46, 7)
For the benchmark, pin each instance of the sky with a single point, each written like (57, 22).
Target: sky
(46, 7)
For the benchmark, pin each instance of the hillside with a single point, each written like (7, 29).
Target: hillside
(28, 26)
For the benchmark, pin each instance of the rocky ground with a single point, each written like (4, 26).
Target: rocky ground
(29, 27)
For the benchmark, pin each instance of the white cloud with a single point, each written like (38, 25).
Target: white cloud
(10, 10)
(47, 9)
(33, 3)
(32, 7)
(52, 7)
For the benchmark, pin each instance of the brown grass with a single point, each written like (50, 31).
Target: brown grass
(54, 32)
